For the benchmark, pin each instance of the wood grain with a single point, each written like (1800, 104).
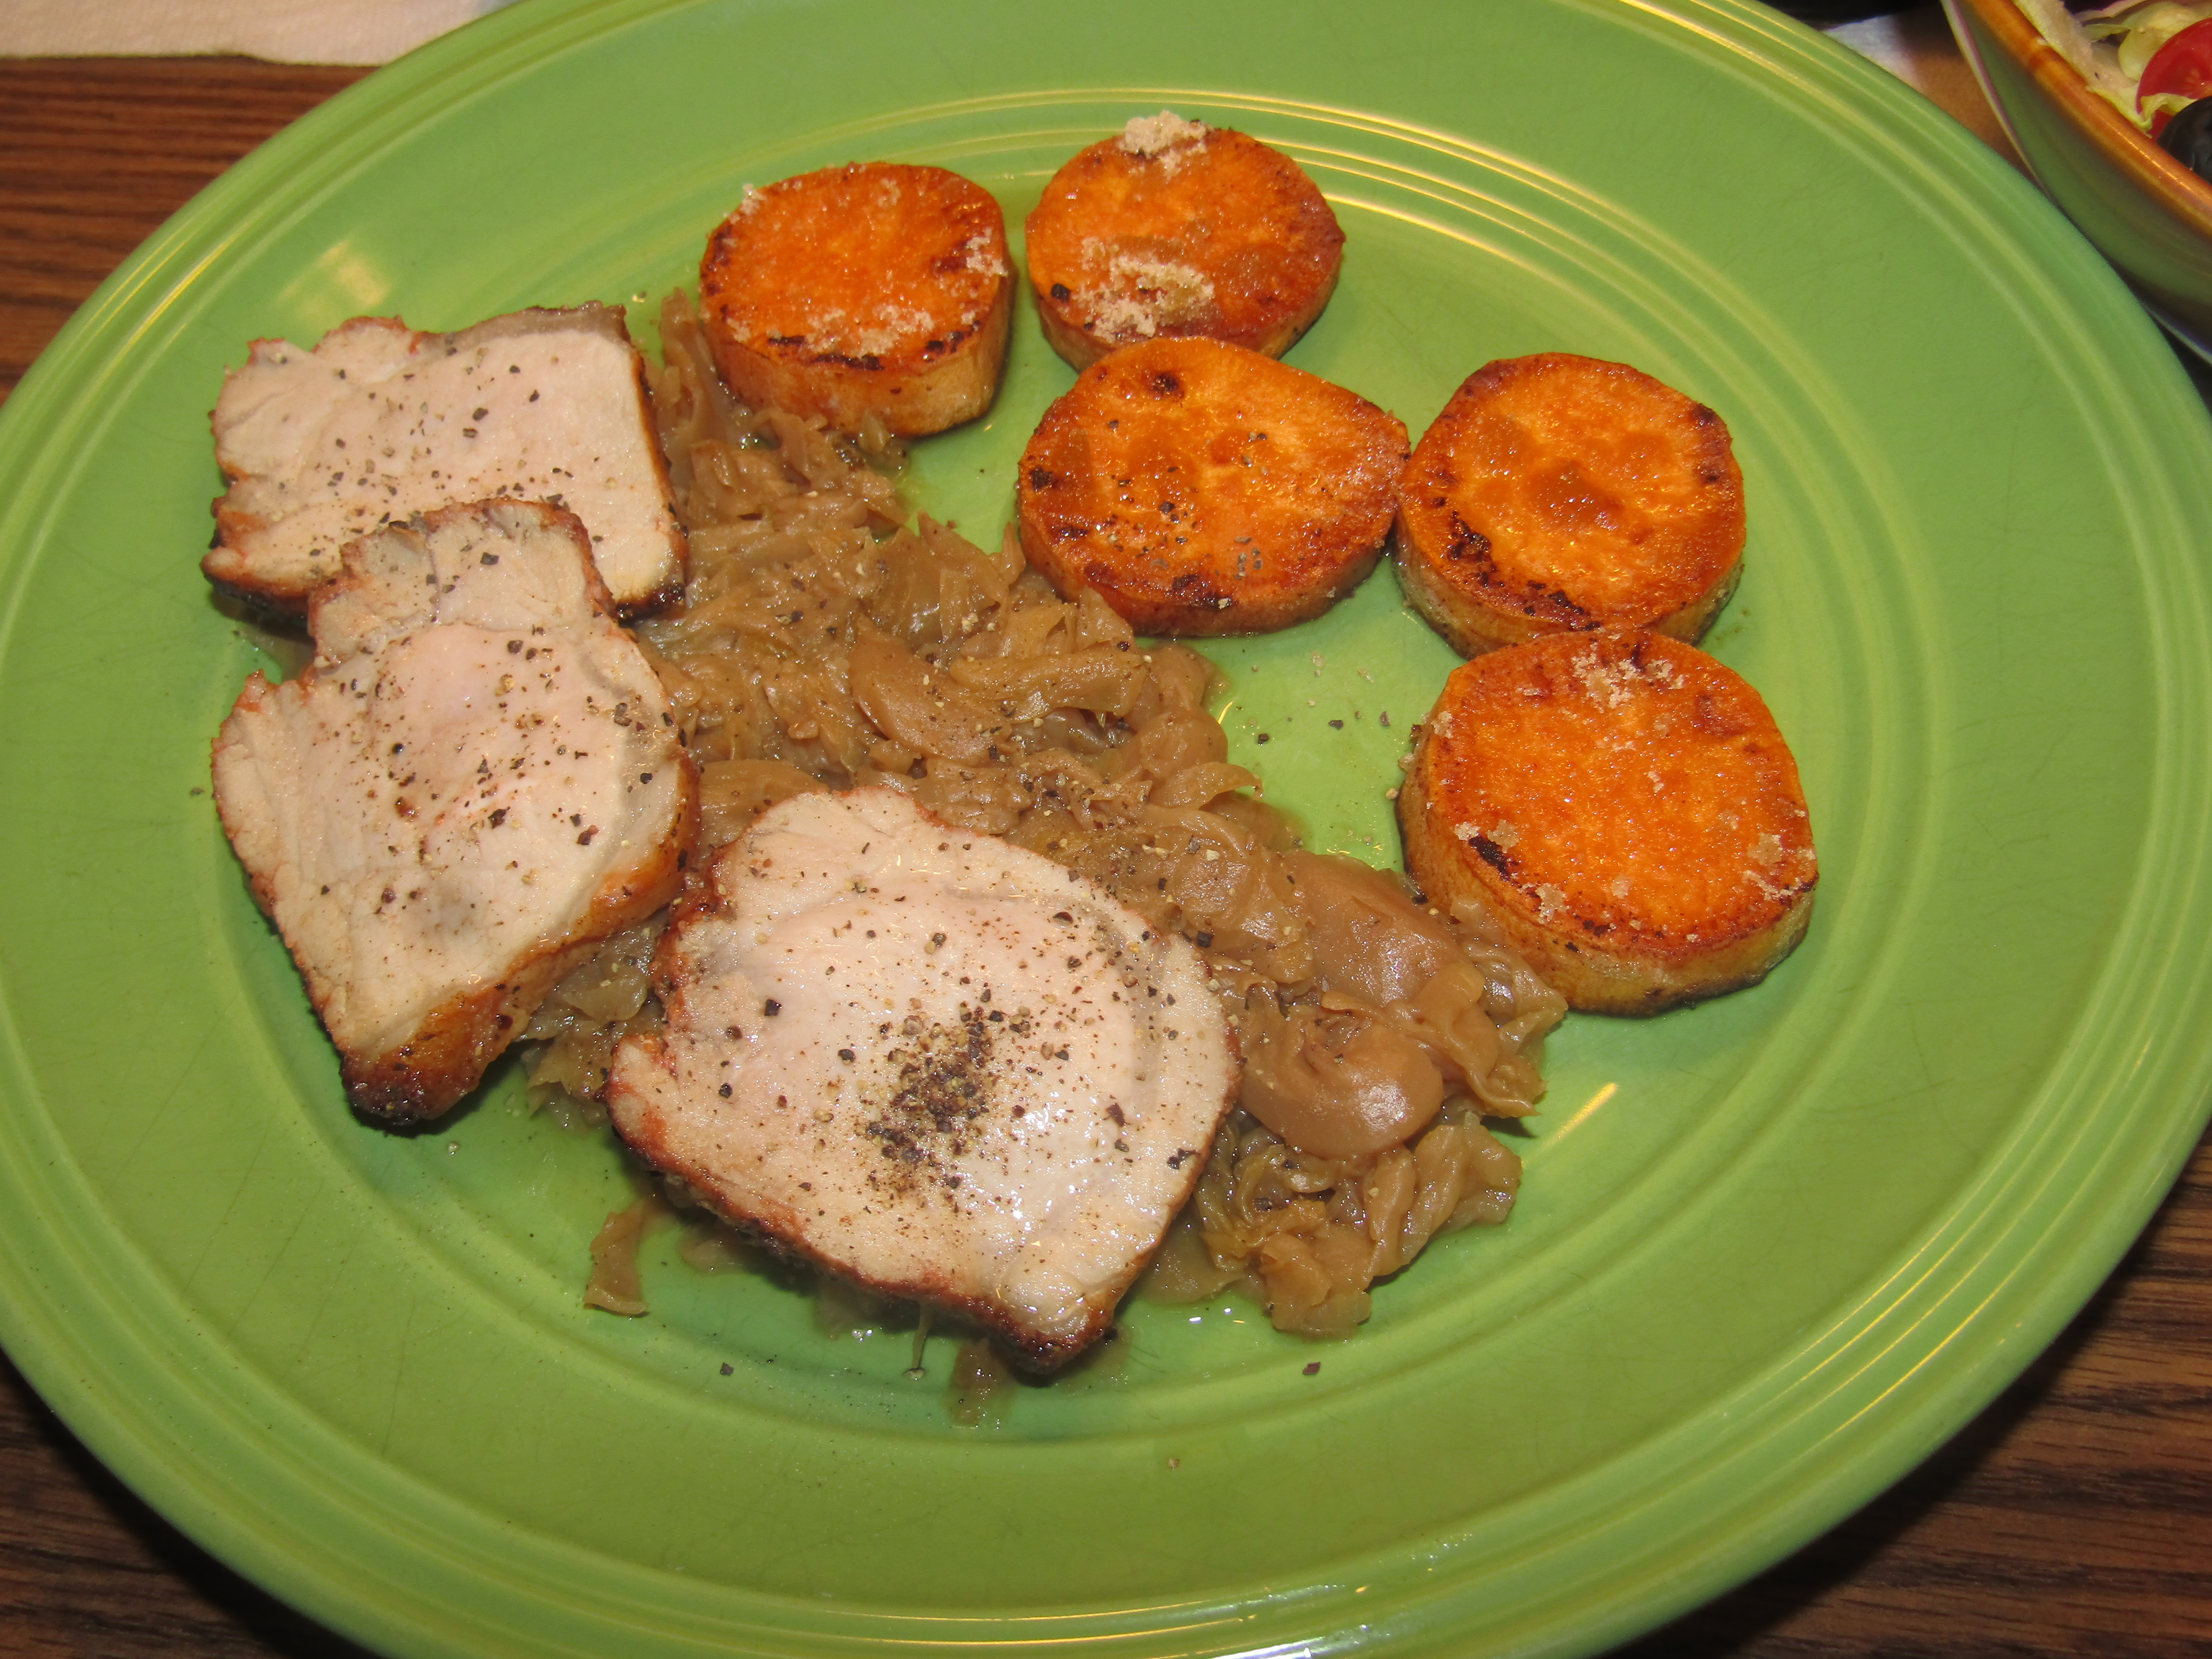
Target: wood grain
(96, 152)
(2073, 1516)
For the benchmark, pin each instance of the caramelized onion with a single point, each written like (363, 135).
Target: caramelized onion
(1364, 1094)
(820, 644)
(1369, 937)
(914, 705)
(733, 792)
(1097, 678)
(1199, 785)
(615, 1285)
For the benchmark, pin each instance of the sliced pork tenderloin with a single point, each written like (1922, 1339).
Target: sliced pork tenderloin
(378, 422)
(475, 782)
(933, 1062)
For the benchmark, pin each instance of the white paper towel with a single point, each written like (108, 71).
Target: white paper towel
(283, 31)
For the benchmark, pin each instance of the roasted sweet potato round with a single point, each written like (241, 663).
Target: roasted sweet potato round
(1204, 488)
(1174, 228)
(1625, 806)
(1557, 492)
(873, 289)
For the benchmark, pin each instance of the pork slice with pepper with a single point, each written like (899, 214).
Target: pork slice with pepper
(933, 1062)
(475, 782)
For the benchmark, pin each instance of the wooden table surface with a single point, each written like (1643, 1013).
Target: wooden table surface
(2073, 1517)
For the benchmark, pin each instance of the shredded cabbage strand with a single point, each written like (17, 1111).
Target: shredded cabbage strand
(2112, 46)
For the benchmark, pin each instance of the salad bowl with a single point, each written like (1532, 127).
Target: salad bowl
(2142, 209)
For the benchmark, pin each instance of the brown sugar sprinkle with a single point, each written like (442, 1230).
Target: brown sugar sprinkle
(1172, 228)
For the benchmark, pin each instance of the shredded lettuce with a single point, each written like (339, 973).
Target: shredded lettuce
(2111, 45)
(2096, 61)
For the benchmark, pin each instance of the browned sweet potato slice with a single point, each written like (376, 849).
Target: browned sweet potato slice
(873, 289)
(1557, 492)
(1204, 488)
(1625, 806)
(1174, 228)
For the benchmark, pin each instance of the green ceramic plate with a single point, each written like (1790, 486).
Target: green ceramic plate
(1772, 1250)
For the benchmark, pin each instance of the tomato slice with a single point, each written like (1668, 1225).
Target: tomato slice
(2183, 64)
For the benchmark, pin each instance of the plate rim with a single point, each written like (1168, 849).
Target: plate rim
(46, 1360)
